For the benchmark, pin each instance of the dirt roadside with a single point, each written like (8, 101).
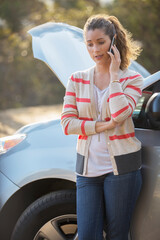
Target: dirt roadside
(13, 119)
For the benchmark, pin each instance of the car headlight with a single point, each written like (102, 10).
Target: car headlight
(6, 143)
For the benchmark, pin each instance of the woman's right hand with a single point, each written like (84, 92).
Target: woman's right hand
(115, 63)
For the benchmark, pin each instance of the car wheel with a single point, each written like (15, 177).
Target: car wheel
(51, 217)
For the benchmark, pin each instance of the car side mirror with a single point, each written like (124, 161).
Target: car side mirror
(153, 110)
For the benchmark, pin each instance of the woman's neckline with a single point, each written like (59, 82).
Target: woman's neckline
(101, 90)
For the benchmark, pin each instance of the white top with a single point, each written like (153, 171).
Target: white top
(99, 162)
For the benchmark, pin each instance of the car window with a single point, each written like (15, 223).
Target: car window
(139, 115)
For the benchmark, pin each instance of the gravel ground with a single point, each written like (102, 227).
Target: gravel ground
(13, 119)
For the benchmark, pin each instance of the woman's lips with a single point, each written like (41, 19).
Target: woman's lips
(98, 57)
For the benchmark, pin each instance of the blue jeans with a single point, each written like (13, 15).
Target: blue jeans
(106, 202)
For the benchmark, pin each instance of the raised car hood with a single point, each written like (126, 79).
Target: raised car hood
(62, 48)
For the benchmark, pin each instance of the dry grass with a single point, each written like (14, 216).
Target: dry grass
(12, 119)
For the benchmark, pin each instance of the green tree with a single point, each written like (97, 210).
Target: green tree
(15, 13)
(141, 17)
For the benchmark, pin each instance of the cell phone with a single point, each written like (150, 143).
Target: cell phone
(112, 43)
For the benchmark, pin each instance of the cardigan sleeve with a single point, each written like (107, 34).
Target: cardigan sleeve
(122, 102)
(71, 124)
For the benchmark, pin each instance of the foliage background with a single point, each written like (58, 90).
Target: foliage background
(25, 81)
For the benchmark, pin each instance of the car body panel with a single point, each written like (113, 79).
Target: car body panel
(40, 156)
(7, 189)
(145, 222)
(151, 79)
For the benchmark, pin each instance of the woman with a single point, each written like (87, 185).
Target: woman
(98, 107)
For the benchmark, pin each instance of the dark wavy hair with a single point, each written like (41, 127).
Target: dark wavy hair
(128, 48)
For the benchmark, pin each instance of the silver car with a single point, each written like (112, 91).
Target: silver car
(37, 163)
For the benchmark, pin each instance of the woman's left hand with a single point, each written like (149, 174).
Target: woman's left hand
(115, 62)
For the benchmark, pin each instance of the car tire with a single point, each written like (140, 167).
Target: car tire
(57, 210)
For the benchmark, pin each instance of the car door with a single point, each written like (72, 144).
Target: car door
(145, 223)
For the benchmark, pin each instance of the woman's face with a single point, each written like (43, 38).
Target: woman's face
(98, 44)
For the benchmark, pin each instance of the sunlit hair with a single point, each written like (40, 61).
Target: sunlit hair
(128, 48)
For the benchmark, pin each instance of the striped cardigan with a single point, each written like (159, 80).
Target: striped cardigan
(79, 117)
